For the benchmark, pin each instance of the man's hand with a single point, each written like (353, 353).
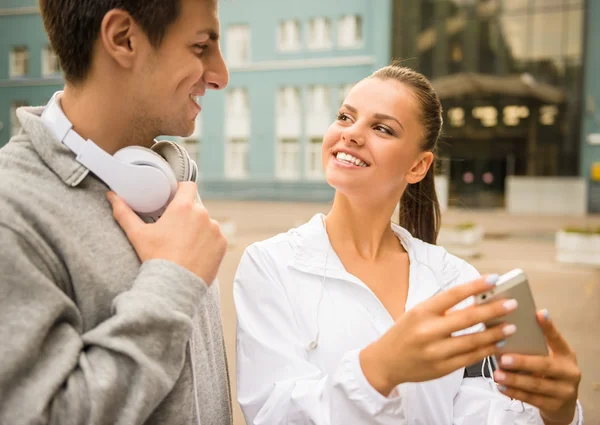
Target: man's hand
(185, 234)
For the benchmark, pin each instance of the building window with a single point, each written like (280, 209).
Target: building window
(19, 62)
(314, 167)
(488, 115)
(192, 146)
(350, 31)
(456, 116)
(238, 45)
(237, 113)
(548, 114)
(50, 62)
(288, 36)
(288, 101)
(318, 110)
(319, 33)
(237, 100)
(318, 99)
(288, 114)
(15, 124)
(236, 158)
(287, 159)
(513, 114)
(192, 143)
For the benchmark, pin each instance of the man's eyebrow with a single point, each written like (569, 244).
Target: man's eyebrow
(212, 34)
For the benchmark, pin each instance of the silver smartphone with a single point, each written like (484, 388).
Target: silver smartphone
(529, 338)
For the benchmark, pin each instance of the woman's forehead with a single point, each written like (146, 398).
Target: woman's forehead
(386, 96)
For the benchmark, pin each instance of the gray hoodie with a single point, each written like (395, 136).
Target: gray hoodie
(88, 335)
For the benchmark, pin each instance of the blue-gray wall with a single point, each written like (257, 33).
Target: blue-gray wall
(591, 94)
(20, 24)
(263, 17)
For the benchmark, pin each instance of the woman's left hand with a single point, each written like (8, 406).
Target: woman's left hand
(553, 381)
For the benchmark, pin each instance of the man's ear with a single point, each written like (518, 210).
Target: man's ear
(120, 37)
(420, 168)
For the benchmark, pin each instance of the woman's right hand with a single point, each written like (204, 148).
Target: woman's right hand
(420, 346)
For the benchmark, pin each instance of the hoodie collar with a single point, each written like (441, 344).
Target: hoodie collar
(313, 246)
(58, 157)
(430, 270)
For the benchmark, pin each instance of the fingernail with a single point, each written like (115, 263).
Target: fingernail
(492, 279)
(502, 388)
(110, 196)
(501, 344)
(546, 315)
(509, 330)
(506, 360)
(499, 376)
(510, 305)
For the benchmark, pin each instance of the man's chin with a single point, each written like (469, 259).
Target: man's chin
(183, 132)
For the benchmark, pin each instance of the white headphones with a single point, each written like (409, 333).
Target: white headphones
(146, 179)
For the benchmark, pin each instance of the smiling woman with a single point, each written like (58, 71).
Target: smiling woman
(350, 319)
(391, 121)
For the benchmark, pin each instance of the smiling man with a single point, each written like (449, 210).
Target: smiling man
(106, 319)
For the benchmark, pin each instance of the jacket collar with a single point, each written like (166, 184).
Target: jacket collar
(59, 158)
(430, 267)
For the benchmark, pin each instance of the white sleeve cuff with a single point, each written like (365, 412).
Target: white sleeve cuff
(578, 419)
(361, 392)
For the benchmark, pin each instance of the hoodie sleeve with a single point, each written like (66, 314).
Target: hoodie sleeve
(479, 402)
(116, 373)
(276, 383)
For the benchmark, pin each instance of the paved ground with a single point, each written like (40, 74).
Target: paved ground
(571, 293)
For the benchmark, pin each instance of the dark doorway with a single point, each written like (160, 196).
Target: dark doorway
(478, 182)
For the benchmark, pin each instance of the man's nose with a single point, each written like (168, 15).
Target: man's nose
(216, 75)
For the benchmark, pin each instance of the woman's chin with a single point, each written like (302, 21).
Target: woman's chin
(349, 187)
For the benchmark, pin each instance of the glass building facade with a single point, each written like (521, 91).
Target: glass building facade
(509, 73)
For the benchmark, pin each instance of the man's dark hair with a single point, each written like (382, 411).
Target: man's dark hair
(74, 25)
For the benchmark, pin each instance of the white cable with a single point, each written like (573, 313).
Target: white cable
(315, 343)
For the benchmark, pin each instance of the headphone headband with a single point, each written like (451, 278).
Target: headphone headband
(140, 176)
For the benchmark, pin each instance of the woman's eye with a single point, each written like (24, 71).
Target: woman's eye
(342, 117)
(383, 130)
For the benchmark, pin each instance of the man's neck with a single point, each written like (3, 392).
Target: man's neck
(96, 117)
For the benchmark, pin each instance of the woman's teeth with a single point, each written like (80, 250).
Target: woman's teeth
(345, 157)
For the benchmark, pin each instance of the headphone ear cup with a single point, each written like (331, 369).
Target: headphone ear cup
(178, 158)
(138, 155)
(193, 171)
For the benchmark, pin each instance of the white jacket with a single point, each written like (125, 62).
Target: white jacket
(278, 289)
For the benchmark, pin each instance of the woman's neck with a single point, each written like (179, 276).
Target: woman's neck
(363, 228)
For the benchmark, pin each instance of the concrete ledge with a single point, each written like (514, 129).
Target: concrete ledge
(286, 190)
(559, 196)
(578, 248)
(462, 242)
(266, 190)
